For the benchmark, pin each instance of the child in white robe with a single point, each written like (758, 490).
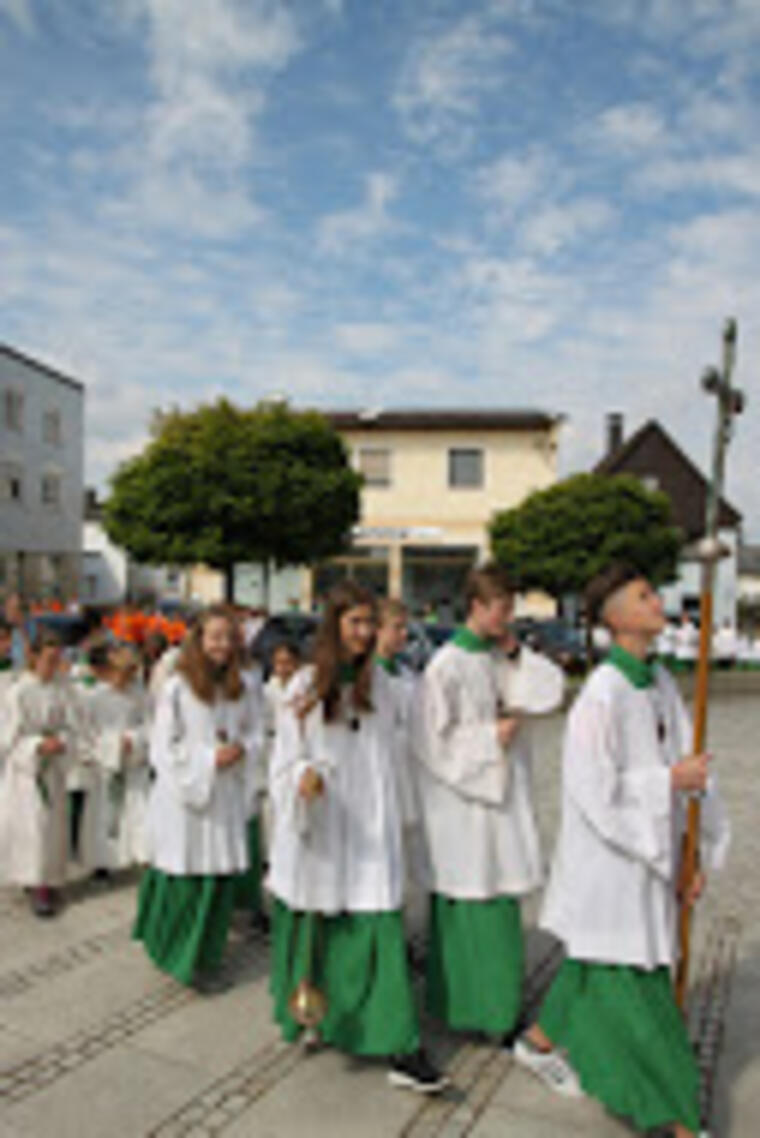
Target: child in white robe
(481, 835)
(205, 748)
(7, 670)
(118, 799)
(612, 897)
(40, 727)
(336, 870)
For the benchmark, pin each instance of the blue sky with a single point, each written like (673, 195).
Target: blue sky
(545, 203)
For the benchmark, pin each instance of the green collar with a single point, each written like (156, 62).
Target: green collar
(347, 673)
(389, 664)
(6, 665)
(465, 638)
(638, 672)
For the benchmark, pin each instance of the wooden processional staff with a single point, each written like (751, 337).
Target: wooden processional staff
(730, 404)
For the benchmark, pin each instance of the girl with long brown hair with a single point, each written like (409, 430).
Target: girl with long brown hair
(205, 749)
(336, 868)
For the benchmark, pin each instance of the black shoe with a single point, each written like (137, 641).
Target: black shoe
(415, 1072)
(260, 923)
(102, 875)
(211, 983)
(43, 902)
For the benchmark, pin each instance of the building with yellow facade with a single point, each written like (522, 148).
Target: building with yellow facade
(432, 482)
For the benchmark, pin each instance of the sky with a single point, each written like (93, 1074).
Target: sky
(380, 203)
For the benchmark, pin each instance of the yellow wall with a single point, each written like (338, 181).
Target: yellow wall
(515, 463)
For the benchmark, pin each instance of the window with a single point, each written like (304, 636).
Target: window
(51, 490)
(51, 427)
(375, 464)
(13, 407)
(466, 468)
(11, 482)
(650, 482)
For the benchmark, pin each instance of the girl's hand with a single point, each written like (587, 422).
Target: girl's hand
(228, 755)
(506, 729)
(691, 894)
(311, 785)
(50, 746)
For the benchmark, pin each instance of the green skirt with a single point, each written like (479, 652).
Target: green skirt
(183, 921)
(359, 961)
(475, 963)
(626, 1039)
(248, 884)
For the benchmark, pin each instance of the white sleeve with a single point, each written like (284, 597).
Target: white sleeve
(254, 732)
(18, 746)
(631, 810)
(187, 764)
(468, 757)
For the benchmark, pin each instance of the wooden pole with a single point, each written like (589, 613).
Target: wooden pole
(730, 404)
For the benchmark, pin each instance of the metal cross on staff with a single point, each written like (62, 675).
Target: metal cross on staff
(730, 404)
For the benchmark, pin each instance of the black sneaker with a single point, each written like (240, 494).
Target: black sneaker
(260, 923)
(416, 1073)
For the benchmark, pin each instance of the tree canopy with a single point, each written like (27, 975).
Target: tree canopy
(220, 485)
(559, 538)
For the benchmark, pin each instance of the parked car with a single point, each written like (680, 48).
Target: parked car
(296, 627)
(71, 628)
(557, 639)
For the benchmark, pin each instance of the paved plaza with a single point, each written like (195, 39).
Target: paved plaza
(94, 1042)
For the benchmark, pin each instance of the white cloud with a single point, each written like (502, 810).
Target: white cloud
(514, 180)
(555, 226)
(445, 76)
(19, 13)
(366, 339)
(630, 127)
(339, 232)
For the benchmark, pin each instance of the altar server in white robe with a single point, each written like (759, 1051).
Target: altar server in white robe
(336, 870)
(116, 812)
(478, 816)
(7, 670)
(41, 726)
(610, 1025)
(205, 748)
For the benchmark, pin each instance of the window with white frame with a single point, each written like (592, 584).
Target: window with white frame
(51, 490)
(51, 427)
(374, 463)
(13, 409)
(11, 482)
(466, 467)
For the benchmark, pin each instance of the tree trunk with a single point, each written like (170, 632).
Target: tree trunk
(229, 584)
(265, 585)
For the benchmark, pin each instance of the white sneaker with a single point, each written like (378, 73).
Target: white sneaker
(549, 1066)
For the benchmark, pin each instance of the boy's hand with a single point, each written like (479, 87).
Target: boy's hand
(507, 727)
(691, 773)
(311, 785)
(689, 894)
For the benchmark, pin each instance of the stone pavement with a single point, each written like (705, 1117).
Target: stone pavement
(94, 1042)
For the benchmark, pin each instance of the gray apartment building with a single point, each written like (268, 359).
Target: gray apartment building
(41, 478)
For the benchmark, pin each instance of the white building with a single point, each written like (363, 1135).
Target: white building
(111, 577)
(41, 477)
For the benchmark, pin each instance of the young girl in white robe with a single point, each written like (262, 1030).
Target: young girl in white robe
(612, 897)
(205, 749)
(115, 819)
(479, 823)
(40, 727)
(336, 870)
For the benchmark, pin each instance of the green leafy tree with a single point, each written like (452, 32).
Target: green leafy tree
(220, 485)
(559, 538)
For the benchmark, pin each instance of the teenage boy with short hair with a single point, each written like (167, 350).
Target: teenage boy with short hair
(612, 897)
(479, 823)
